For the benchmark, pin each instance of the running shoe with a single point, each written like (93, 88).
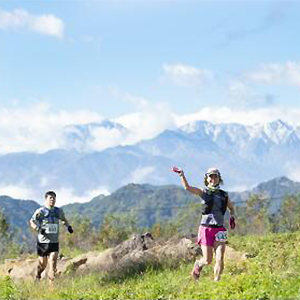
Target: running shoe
(196, 271)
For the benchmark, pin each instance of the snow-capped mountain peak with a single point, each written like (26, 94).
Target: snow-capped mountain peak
(278, 131)
(245, 155)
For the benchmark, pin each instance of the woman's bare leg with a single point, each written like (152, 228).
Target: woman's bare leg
(206, 259)
(219, 266)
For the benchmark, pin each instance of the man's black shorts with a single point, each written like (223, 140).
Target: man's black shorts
(44, 249)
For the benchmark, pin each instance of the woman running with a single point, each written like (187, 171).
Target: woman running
(212, 234)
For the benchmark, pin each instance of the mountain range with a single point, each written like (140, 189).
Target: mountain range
(245, 155)
(150, 204)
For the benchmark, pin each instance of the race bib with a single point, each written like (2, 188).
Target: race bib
(221, 236)
(51, 228)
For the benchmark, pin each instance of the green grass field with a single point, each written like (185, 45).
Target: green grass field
(272, 272)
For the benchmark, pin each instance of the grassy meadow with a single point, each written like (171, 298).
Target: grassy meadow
(271, 271)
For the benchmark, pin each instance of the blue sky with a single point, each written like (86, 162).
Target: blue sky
(147, 64)
(81, 61)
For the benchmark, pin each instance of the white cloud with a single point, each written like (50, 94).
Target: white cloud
(242, 116)
(279, 74)
(242, 95)
(293, 170)
(64, 195)
(148, 120)
(21, 19)
(240, 188)
(185, 75)
(18, 192)
(145, 125)
(67, 195)
(37, 128)
(140, 175)
(93, 136)
(104, 138)
(239, 90)
(44, 181)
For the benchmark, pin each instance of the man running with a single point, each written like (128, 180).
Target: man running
(45, 221)
(212, 234)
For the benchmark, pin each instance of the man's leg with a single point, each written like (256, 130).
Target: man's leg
(206, 259)
(42, 264)
(52, 267)
(219, 266)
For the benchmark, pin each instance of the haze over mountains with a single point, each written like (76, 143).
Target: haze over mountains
(246, 156)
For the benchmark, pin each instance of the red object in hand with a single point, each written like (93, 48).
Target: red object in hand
(232, 222)
(176, 170)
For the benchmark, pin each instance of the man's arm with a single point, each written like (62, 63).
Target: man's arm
(63, 218)
(34, 223)
(65, 221)
(191, 189)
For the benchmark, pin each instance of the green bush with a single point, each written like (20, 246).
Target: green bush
(7, 288)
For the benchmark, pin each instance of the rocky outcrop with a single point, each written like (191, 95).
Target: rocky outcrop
(131, 256)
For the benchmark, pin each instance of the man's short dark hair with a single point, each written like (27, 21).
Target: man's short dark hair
(50, 193)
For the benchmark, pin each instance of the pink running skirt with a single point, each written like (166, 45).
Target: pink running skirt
(207, 235)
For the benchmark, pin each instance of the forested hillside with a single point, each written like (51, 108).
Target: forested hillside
(148, 205)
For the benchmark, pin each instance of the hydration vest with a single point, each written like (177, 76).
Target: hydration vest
(50, 214)
(209, 198)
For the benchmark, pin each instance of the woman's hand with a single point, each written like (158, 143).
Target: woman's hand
(177, 170)
(232, 222)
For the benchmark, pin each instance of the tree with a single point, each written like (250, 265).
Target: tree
(164, 230)
(8, 247)
(254, 218)
(289, 214)
(188, 219)
(84, 238)
(116, 229)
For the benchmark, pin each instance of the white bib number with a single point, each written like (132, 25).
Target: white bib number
(51, 228)
(221, 236)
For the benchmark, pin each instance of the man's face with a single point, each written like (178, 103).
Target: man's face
(50, 201)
